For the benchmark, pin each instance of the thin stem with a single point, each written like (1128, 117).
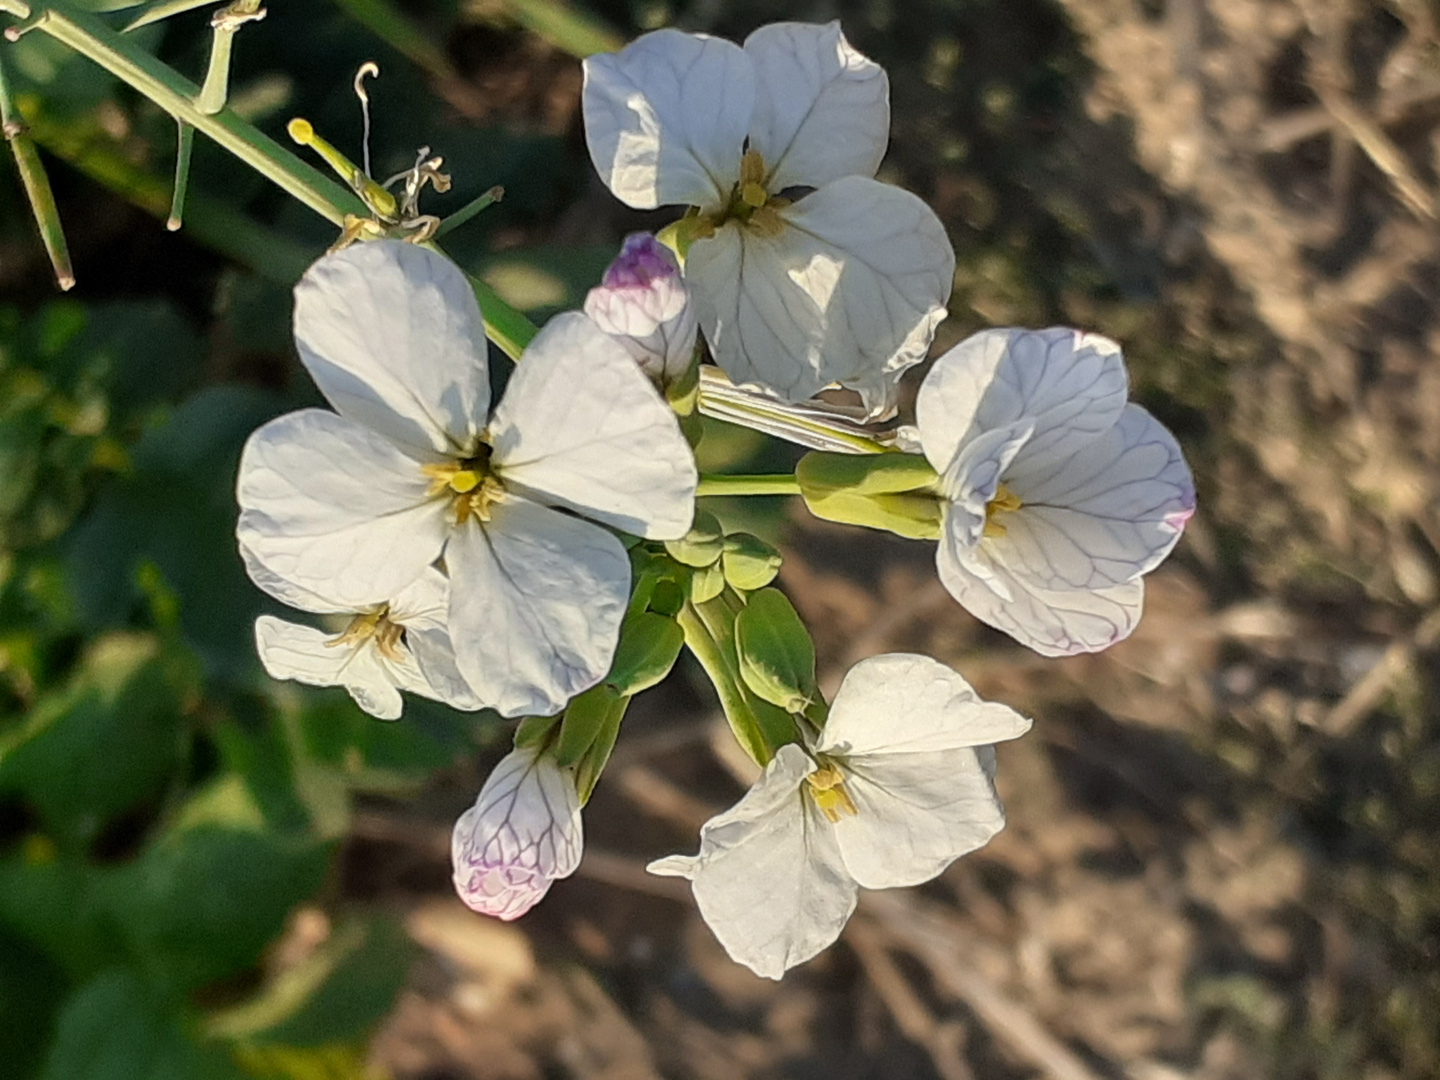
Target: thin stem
(767, 484)
(470, 209)
(175, 94)
(37, 187)
(703, 643)
(184, 144)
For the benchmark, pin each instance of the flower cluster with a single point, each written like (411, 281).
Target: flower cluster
(544, 558)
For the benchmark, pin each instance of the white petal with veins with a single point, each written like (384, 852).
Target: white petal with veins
(822, 109)
(581, 427)
(393, 337)
(850, 290)
(336, 509)
(307, 655)
(1072, 386)
(536, 600)
(666, 118)
(768, 879)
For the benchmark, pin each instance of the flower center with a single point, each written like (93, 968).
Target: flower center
(827, 788)
(1004, 502)
(374, 625)
(470, 482)
(750, 205)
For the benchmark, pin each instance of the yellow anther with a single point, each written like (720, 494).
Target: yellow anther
(301, 131)
(753, 195)
(827, 788)
(374, 625)
(1005, 501)
(766, 221)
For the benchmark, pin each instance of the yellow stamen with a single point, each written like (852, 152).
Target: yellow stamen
(464, 480)
(380, 201)
(372, 624)
(827, 788)
(1005, 501)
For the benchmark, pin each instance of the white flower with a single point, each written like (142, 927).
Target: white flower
(897, 787)
(808, 271)
(355, 505)
(642, 302)
(1060, 494)
(521, 835)
(400, 645)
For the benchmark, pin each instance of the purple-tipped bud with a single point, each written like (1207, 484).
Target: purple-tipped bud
(522, 834)
(642, 302)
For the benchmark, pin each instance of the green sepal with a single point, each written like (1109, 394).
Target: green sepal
(748, 562)
(649, 644)
(702, 545)
(863, 474)
(776, 655)
(587, 773)
(584, 717)
(668, 596)
(534, 730)
(706, 583)
(684, 393)
(913, 515)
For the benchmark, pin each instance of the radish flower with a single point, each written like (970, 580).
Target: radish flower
(642, 302)
(895, 788)
(520, 836)
(1059, 494)
(412, 467)
(400, 645)
(805, 270)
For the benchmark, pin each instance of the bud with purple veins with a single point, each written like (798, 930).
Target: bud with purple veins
(643, 303)
(521, 835)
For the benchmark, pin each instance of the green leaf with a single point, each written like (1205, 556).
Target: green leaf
(111, 739)
(649, 644)
(31, 989)
(585, 716)
(749, 563)
(201, 903)
(58, 906)
(118, 1027)
(776, 655)
(702, 545)
(336, 993)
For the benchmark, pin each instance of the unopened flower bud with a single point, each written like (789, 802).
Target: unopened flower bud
(522, 834)
(642, 302)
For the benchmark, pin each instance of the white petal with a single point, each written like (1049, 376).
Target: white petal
(915, 814)
(392, 335)
(666, 118)
(581, 427)
(287, 592)
(849, 291)
(1105, 515)
(642, 302)
(303, 653)
(974, 478)
(422, 608)
(1052, 622)
(335, 509)
(1072, 385)
(768, 879)
(905, 704)
(822, 109)
(536, 599)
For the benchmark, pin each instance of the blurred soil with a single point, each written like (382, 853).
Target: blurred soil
(1221, 859)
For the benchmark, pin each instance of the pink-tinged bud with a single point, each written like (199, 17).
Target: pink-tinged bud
(522, 834)
(642, 302)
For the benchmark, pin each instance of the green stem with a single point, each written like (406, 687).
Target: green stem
(90, 37)
(704, 642)
(768, 484)
(184, 144)
(37, 187)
